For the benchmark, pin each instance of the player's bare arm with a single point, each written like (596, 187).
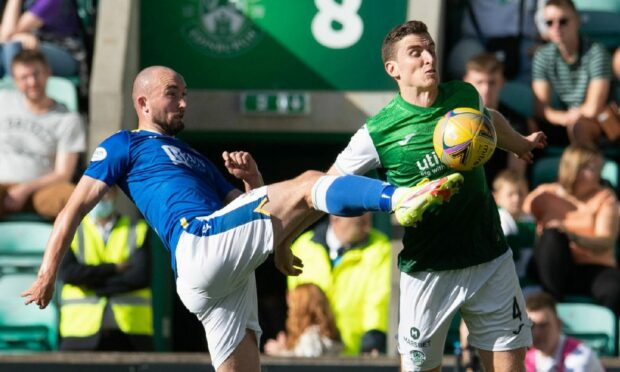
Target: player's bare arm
(87, 193)
(510, 140)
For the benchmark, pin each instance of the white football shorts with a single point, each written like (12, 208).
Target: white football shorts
(488, 297)
(216, 257)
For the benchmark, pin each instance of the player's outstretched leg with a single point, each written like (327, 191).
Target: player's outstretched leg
(411, 206)
(353, 195)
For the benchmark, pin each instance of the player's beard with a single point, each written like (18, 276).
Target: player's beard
(174, 128)
(171, 128)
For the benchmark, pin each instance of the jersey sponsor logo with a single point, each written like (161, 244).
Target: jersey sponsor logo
(179, 157)
(430, 165)
(406, 140)
(223, 28)
(417, 357)
(419, 344)
(99, 154)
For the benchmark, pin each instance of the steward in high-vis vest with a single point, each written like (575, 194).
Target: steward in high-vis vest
(352, 264)
(106, 296)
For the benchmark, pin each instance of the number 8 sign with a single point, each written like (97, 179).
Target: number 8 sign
(270, 45)
(345, 14)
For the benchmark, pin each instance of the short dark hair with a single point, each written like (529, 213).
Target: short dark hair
(28, 56)
(539, 301)
(562, 4)
(397, 34)
(486, 63)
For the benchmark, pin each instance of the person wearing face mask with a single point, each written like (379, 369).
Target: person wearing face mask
(106, 295)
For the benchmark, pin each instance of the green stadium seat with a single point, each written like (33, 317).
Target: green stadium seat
(22, 245)
(59, 88)
(595, 325)
(601, 26)
(453, 337)
(545, 170)
(25, 328)
(600, 5)
(519, 97)
(64, 91)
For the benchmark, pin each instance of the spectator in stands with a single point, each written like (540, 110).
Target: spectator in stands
(505, 28)
(351, 262)
(105, 298)
(574, 69)
(40, 141)
(552, 350)
(310, 327)
(509, 191)
(51, 26)
(577, 222)
(486, 73)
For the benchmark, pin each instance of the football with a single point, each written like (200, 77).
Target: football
(464, 139)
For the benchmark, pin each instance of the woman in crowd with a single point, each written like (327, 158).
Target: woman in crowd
(577, 222)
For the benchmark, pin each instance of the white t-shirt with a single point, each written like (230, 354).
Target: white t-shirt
(29, 142)
(360, 155)
(582, 359)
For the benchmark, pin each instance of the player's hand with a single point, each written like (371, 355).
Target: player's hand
(286, 261)
(40, 292)
(243, 166)
(537, 140)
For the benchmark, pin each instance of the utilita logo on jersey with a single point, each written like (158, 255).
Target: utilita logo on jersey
(178, 156)
(430, 165)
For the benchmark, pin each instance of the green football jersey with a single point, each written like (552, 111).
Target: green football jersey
(464, 232)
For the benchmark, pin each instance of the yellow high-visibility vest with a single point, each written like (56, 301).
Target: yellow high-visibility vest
(358, 288)
(81, 311)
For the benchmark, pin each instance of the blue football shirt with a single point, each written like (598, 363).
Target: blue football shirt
(167, 180)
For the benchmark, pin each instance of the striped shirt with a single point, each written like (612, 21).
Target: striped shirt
(570, 81)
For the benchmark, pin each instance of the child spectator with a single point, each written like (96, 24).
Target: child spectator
(310, 327)
(552, 350)
(509, 191)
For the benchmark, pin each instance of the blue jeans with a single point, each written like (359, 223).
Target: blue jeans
(61, 61)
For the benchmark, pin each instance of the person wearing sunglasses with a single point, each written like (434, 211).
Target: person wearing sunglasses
(575, 70)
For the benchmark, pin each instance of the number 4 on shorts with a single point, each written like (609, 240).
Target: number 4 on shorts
(516, 311)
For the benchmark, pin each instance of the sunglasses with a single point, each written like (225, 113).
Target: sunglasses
(562, 22)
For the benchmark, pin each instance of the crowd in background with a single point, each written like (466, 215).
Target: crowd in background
(563, 234)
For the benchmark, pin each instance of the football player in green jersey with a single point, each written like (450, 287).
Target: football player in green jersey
(456, 259)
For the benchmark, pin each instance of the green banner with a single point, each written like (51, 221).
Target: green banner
(271, 44)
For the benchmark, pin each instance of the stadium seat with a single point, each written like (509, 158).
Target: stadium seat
(22, 245)
(59, 88)
(519, 97)
(601, 26)
(595, 325)
(64, 91)
(600, 5)
(545, 170)
(25, 328)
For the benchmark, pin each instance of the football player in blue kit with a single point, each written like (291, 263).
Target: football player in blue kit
(216, 235)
